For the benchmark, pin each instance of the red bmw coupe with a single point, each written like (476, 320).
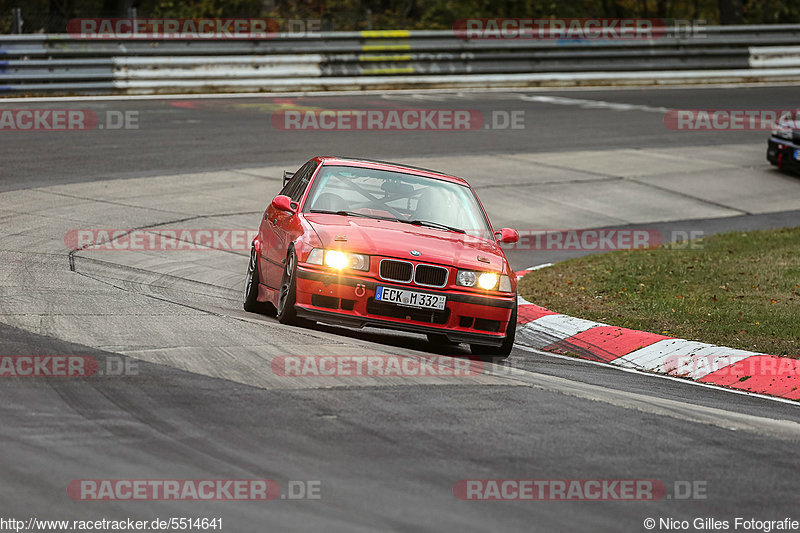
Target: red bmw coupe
(357, 243)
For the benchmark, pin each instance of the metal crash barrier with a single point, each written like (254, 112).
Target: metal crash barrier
(391, 60)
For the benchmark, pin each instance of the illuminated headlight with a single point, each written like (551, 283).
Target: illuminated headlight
(483, 280)
(338, 260)
(488, 280)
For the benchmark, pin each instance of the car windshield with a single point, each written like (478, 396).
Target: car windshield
(406, 198)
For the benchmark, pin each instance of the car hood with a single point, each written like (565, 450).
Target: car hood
(395, 239)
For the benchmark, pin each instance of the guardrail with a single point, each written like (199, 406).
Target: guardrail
(391, 59)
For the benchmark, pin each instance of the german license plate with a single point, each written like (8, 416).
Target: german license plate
(797, 155)
(410, 298)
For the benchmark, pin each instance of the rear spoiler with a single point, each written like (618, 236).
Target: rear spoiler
(287, 176)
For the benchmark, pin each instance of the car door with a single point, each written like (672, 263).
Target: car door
(278, 226)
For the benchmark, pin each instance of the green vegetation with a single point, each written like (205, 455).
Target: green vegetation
(740, 290)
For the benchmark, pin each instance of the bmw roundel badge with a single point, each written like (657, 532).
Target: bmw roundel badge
(415, 253)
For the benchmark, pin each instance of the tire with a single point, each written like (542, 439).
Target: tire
(287, 296)
(494, 353)
(250, 296)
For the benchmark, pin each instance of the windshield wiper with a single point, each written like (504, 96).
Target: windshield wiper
(426, 223)
(429, 224)
(349, 214)
(343, 213)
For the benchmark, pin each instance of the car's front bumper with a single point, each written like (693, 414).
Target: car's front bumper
(783, 153)
(349, 300)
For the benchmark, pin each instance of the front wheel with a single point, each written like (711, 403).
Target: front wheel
(287, 314)
(490, 353)
(250, 296)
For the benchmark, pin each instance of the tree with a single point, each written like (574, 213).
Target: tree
(730, 11)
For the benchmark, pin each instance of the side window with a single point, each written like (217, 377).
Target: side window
(297, 185)
(305, 178)
(292, 183)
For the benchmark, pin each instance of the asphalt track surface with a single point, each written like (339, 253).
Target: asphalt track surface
(203, 403)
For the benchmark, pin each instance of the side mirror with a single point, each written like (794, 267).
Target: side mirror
(507, 235)
(284, 203)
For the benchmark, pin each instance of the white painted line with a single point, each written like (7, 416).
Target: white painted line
(265, 95)
(592, 104)
(660, 376)
(726, 419)
(464, 80)
(336, 93)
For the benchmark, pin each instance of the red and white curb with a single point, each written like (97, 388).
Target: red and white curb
(759, 373)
